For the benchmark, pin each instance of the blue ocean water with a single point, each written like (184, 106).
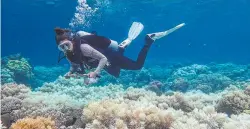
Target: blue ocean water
(196, 78)
(215, 31)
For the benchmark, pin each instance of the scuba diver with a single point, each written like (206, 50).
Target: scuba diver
(88, 50)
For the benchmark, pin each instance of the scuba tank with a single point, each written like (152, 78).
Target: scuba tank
(83, 33)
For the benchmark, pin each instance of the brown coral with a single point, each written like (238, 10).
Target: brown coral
(31, 123)
(233, 103)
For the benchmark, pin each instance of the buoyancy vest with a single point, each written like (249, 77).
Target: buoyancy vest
(99, 43)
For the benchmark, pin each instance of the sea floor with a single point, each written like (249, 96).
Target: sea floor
(170, 96)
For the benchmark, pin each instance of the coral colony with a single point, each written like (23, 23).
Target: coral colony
(184, 96)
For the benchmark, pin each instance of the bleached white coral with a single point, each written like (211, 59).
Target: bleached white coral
(117, 114)
(9, 104)
(247, 91)
(2, 126)
(241, 121)
(14, 90)
(80, 92)
(54, 100)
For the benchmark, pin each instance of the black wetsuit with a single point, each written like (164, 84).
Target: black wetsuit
(97, 47)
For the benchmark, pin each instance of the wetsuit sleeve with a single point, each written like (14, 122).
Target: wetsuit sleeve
(89, 51)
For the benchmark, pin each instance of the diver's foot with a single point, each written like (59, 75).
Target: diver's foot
(158, 35)
(125, 43)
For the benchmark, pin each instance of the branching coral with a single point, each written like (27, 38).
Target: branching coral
(215, 81)
(62, 108)
(31, 123)
(247, 91)
(2, 126)
(75, 89)
(176, 101)
(180, 84)
(234, 103)
(179, 102)
(143, 77)
(117, 114)
(112, 106)
(208, 118)
(12, 96)
(14, 90)
(230, 70)
(11, 100)
(17, 102)
(9, 104)
(16, 69)
(191, 71)
(6, 76)
(20, 67)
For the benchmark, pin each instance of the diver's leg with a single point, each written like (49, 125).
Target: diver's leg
(128, 64)
(114, 46)
(159, 35)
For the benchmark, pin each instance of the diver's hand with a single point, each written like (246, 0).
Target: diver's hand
(92, 75)
(68, 75)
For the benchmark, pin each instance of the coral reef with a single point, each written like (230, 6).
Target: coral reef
(17, 102)
(215, 81)
(31, 123)
(233, 71)
(247, 91)
(179, 84)
(75, 89)
(120, 115)
(20, 67)
(155, 86)
(16, 69)
(14, 90)
(170, 96)
(191, 71)
(234, 103)
(7, 76)
(11, 100)
(130, 108)
(61, 113)
(177, 101)
(2, 126)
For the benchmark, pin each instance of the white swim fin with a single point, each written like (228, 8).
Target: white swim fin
(159, 35)
(134, 31)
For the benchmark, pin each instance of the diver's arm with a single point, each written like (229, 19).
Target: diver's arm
(73, 68)
(89, 51)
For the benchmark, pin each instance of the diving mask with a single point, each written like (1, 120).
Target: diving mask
(65, 46)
